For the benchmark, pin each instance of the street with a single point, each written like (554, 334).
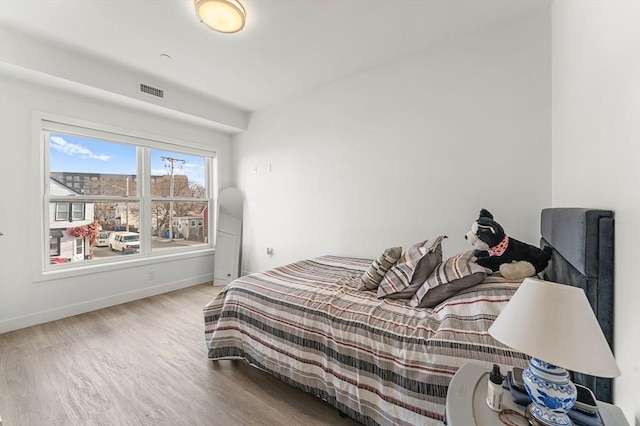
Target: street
(156, 244)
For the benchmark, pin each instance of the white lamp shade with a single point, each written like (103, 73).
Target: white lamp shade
(554, 322)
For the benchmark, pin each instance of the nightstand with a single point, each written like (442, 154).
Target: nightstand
(466, 403)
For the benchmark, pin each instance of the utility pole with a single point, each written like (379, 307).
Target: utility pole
(170, 162)
(127, 203)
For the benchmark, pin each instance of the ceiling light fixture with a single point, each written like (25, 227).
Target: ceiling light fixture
(225, 16)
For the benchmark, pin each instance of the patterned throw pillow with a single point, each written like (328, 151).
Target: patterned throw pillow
(447, 279)
(412, 269)
(374, 274)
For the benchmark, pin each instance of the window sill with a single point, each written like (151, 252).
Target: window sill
(134, 261)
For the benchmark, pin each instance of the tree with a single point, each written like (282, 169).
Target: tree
(108, 213)
(161, 187)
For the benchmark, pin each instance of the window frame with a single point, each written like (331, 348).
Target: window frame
(78, 246)
(62, 215)
(82, 211)
(43, 124)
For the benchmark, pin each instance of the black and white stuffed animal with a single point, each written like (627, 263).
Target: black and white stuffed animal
(499, 252)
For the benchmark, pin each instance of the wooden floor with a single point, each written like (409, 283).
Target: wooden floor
(141, 363)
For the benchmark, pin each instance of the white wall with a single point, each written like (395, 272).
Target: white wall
(404, 152)
(90, 69)
(24, 302)
(596, 149)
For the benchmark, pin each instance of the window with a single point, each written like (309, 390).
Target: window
(79, 244)
(177, 195)
(77, 211)
(145, 193)
(62, 211)
(54, 242)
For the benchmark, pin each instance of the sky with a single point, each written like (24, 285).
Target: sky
(68, 153)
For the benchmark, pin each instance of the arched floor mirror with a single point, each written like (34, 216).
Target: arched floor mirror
(226, 266)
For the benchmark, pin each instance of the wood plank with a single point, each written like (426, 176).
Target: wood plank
(140, 363)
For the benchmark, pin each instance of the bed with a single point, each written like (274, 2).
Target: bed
(583, 256)
(384, 361)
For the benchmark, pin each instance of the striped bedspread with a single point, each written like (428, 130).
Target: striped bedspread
(378, 361)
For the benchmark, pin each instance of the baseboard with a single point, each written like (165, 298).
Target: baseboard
(95, 304)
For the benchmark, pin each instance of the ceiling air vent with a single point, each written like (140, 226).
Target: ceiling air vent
(150, 90)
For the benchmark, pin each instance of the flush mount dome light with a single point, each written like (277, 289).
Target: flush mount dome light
(225, 16)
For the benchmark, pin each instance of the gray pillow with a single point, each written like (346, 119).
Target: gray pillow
(377, 270)
(448, 279)
(412, 269)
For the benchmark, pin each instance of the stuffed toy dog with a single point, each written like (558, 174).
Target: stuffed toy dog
(499, 252)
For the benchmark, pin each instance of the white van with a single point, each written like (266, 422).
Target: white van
(103, 239)
(125, 242)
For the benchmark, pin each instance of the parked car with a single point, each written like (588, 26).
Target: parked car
(103, 239)
(125, 242)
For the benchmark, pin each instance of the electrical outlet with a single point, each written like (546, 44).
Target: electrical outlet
(269, 251)
(151, 275)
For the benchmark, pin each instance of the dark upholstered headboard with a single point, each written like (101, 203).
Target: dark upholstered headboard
(582, 242)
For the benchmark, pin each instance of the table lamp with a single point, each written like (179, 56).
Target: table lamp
(553, 324)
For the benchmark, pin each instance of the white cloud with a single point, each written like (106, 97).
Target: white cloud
(59, 144)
